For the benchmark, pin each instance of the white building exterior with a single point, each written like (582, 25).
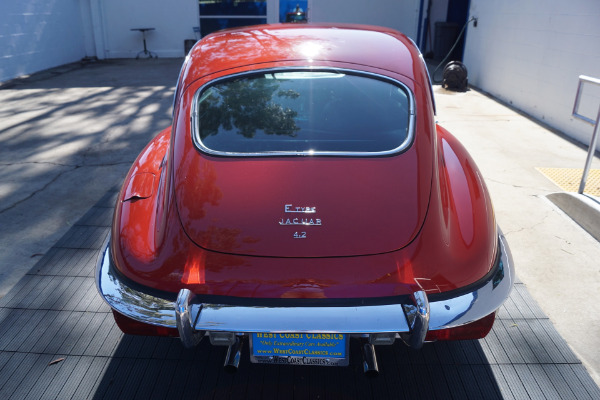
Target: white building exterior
(530, 54)
(172, 20)
(400, 15)
(39, 34)
(527, 53)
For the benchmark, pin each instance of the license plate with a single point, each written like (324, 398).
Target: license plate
(299, 348)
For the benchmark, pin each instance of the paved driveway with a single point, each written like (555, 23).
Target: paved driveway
(66, 138)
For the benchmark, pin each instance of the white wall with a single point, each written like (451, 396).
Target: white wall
(39, 34)
(530, 53)
(399, 15)
(173, 21)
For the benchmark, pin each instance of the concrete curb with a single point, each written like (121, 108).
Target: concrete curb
(581, 208)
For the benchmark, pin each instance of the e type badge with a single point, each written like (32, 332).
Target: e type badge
(302, 220)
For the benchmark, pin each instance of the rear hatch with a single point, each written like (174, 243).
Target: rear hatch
(303, 163)
(303, 207)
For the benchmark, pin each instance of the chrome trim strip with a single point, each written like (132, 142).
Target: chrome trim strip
(178, 84)
(429, 81)
(448, 313)
(406, 144)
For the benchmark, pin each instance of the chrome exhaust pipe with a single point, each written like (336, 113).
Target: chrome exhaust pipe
(234, 354)
(370, 367)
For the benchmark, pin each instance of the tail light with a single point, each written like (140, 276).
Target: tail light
(133, 327)
(474, 330)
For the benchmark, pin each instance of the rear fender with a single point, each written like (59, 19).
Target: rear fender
(459, 240)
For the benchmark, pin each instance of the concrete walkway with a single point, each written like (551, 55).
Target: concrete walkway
(66, 138)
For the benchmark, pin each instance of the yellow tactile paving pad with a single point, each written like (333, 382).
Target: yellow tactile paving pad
(568, 179)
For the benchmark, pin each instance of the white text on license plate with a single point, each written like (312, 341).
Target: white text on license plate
(299, 348)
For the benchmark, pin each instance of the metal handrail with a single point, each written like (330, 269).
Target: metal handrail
(588, 162)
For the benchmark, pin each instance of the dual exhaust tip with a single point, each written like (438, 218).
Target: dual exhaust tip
(234, 355)
(370, 367)
(416, 311)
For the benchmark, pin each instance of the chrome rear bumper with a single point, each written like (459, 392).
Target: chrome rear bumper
(411, 320)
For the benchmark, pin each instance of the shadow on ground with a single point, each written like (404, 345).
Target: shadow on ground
(147, 367)
(65, 138)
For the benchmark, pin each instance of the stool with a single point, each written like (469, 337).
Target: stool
(145, 52)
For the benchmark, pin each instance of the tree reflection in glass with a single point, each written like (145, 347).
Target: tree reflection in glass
(247, 106)
(302, 112)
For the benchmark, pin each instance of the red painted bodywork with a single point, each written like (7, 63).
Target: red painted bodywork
(390, 225)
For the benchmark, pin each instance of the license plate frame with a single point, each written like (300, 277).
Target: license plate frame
(300, 348)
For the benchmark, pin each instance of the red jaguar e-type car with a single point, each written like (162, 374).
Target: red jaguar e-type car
(303, 196)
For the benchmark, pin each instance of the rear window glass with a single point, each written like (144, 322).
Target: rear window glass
(303, 112)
